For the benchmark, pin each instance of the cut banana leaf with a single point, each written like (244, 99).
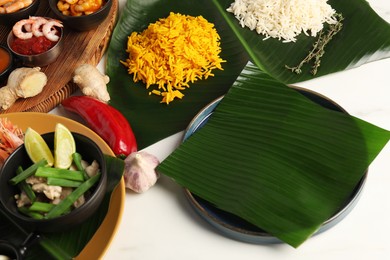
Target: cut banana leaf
(365, 37)
(67, 244)
(274, 158)
(151, 120)
(357, 43)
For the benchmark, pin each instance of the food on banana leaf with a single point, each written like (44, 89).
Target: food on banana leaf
(347, 50)
(172, 53)
(283, 19)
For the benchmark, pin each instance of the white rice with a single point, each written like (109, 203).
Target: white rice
(283, 19)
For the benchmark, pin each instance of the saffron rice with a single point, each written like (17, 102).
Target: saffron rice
(172, 53)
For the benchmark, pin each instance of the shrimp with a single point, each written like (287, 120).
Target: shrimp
(18, 31)
(28, 27)
(11, 137)
(36, 26)
(49, 31)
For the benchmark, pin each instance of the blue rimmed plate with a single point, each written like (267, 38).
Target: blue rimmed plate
(237, 228)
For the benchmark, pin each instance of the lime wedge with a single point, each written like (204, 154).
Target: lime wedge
(64, 147)
(36, 147)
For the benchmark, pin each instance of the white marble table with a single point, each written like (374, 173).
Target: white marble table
(160, 224)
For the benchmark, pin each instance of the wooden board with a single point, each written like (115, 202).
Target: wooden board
(79, 48)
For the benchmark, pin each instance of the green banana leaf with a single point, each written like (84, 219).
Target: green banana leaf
(67, 244)
(357, 43)
(150, 120)
(272, 157)
(365, 37)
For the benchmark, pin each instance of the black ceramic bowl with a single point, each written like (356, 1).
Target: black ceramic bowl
(90, 151)
(83, 22)
(38, 60)
(5, 68)
(11, 18)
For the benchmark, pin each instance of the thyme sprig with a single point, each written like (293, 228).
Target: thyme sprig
(319, 47)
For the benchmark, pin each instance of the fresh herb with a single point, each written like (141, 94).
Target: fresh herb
(319, 47)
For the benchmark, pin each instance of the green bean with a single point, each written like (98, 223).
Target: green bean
(66, 203)
(29, 213)
(27, 172)
(24, 186)
(63, 182)
(41, 207)
(59, 173)
(77, 161)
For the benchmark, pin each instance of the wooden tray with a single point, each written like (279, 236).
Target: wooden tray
(79, 48)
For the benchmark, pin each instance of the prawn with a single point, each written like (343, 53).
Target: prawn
(11, 137)
(18, 31)
(36, 26)
(49, 30)
(28, 27)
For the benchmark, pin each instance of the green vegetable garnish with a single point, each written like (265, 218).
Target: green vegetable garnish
(66, 203)
(59, 173)
(319, 47)
(28, 172)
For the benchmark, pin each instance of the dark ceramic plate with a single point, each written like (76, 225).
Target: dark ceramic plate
(236, 227)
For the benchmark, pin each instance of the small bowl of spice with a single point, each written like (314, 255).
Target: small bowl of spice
(81, 15)
(12, 11)
(36, 41)
(6, 63)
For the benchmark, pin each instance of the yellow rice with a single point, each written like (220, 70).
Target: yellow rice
(173, 52)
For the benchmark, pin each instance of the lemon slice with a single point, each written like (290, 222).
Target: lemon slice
(64, 147)
(36, 148)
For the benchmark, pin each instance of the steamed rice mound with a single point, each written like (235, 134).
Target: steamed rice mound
(283, 19)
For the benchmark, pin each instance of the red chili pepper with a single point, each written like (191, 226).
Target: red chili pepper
(106, 121)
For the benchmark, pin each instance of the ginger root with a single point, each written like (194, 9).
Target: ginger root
(22, 83)
(91, 82)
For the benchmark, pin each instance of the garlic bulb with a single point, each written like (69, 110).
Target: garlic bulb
(139, 173)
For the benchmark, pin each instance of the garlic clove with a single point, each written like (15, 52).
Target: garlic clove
(139, 172)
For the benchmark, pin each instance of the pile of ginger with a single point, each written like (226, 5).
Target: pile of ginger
(22, 83)
(27, 82)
